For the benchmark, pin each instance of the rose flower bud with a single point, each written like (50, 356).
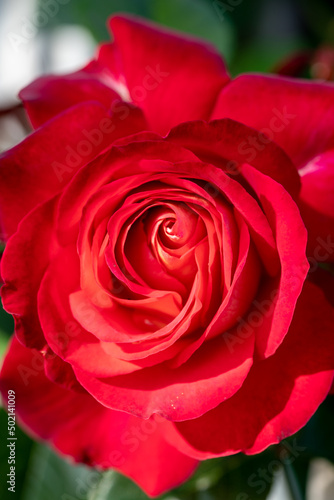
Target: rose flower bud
(159, 220)
(317, 64)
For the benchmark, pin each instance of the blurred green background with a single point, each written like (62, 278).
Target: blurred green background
(258, 35)
(252, 35)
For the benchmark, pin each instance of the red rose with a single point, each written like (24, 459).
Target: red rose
(157, 268)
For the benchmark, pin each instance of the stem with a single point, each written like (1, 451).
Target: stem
(292, 481)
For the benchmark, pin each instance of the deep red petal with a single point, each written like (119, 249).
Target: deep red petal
(316, 203)
(59, 371)
(280, 393)
(120, 162)
(291, 238)
(41, 165)
(227, 139)
(80, 427)
(28, 249)
(49, 95)
(210, 376)
(153, 63)
(296, 114)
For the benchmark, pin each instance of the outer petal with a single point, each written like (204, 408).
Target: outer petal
(299, 116)
(227, 139)
(49, 95)
(296, 114)
(172, 78)
(29, 248)
(210, 376)
(291, 238)
(82, 428)
(317, 205)
(279, 395)
(40, 166)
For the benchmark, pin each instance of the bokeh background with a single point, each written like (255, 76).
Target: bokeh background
(290, 37)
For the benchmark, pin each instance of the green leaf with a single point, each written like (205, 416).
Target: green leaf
(6, 329)
(51, 477)
(3, 343)
(240, 477)
(113, 485)
(6, 322)
(227, 478)
(22, 452)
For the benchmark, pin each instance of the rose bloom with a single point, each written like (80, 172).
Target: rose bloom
(158, 221)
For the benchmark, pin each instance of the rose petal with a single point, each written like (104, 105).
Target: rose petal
(210, 376)
(153, 63)
(41, 165)
(296, 114)
(227, 139)
(120, 162)
(29, 248)
(48, 96)
(243, 287)
(280, 393)
(60, 372)
(78, 426)
(65, 336)
(316, 203)
(291, 238)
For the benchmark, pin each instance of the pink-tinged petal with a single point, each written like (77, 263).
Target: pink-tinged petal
(318, 183)
(316, 203)
(153, 63)
(49, 95)
(125, 320)
(41, 165)
(280, 393)
(109, 58)
(30, 248)
(65, 336)
(226, 139)
(210, 376)
(296, 114)
(78, 426)
(291, 238)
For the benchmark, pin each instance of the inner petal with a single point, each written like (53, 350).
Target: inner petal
(173, 231)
